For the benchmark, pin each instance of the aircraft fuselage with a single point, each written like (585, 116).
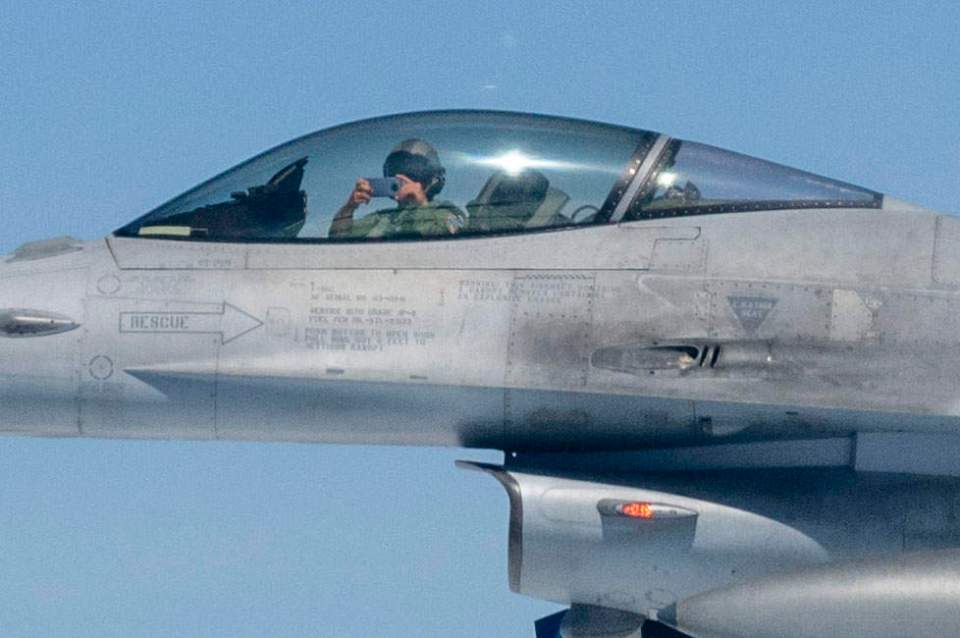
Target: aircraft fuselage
(762, 325)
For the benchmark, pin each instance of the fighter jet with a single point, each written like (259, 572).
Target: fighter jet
(725, 390)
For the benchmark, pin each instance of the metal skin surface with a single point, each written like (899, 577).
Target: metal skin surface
(762, 544)
(489, 342)
(698, 330)
(917, 595)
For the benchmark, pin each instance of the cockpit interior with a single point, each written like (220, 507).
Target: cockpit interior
(479, 173)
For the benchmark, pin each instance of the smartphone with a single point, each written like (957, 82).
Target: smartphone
(383, 186)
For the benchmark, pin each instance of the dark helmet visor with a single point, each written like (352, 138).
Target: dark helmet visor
(416, 167)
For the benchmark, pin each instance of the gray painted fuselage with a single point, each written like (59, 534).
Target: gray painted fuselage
(808, 322)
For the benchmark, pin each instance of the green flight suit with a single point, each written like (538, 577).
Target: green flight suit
(435, 219)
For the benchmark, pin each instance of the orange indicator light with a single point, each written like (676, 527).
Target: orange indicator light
(637, 510)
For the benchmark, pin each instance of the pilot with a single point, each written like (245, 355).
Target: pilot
(416, 166)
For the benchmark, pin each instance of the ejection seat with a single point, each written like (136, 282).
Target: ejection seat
(515, 202)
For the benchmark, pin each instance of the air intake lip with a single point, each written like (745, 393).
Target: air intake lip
(23, 322)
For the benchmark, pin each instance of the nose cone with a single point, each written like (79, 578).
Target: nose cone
(42, 284)
(42, 291)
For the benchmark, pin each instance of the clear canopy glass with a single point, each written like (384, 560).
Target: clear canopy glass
(696, 179)
(473, 173)
(467, 173)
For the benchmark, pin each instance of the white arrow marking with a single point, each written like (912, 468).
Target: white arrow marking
(230, 322)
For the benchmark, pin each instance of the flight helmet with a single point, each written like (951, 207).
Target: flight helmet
(419, 161)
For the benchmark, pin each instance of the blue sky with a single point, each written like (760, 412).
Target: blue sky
(107, 109)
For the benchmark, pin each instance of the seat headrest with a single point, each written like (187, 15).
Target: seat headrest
(528, 186)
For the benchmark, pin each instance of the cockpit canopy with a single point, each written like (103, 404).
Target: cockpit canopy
(489, 173)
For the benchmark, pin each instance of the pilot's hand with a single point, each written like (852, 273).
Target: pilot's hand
(409, 192)
(361, 194)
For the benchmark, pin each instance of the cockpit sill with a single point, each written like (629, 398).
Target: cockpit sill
(882, 203)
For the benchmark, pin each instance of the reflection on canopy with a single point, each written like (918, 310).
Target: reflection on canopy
(696, 179)
(515, 161)
(275, 209)
(504, 173)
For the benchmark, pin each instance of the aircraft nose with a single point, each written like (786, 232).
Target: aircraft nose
(39, 376)
(42, 286)
(26, 304)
